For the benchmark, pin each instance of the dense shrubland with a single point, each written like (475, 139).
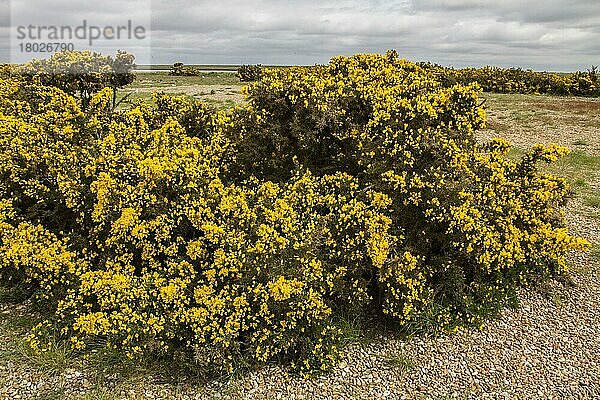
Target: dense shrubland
(517, 80)
(214, 238)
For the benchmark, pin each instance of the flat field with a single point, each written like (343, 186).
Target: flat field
(221, 89)
(549, 347)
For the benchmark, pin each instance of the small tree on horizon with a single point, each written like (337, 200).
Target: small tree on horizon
(83, 73)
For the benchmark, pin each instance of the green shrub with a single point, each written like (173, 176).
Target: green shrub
(148, 251)
(473, 223)
(82, 73)
(517, 80)
(249, 73)
(178, 69)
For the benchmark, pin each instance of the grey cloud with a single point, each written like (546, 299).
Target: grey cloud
(550, 34)
(538, 34)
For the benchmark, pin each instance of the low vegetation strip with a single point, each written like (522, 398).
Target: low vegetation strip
(517, 80)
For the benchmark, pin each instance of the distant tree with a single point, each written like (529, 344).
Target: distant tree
(179, 69)
(83, 73)
(249, 73)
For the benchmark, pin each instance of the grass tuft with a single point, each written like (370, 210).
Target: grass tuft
(580, 143)
(52, 361)
(99, 393)
(400, 362)
(593, 200)
(595, 252)
(580, 160)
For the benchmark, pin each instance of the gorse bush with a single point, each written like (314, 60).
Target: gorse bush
(249, 73)
(517, 80)
(462, 212)
(216, 238)
(179, 69)
(82, 73)
(344, 116)
(150, 251)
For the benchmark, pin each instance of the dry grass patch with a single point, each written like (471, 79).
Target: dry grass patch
(529, 119)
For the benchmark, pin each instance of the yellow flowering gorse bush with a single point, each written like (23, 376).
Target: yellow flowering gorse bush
(354, 188)
(471, 223)
(517, 80)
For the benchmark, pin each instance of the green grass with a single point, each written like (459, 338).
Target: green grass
(220, 104)
(581, 160)
(17, 351)
(400, 362)
(158, 79)
(353, 329)
(497, 126)
(595, 252)
(592, 200)
(525, 116)
(214, 88)
(580, 168)
(531, 113)
(16, 321)
(516, 153)
(580, 143)
(580, 183)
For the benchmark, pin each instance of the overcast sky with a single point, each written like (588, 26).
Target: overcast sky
(541, 34)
